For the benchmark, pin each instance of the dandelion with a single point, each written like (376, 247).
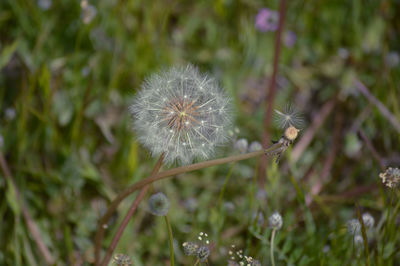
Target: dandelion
(267, 20)
(275, 222)
(183, 114)
(391, 177)
(290, 117)
(159, 204)
(241, 145)
(200, 250)
(368, 220)
(255, 146)
(353, 227)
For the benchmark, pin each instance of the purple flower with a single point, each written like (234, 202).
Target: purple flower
(289, 39)
(267, 20)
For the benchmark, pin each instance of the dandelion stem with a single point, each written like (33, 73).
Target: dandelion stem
(171, 240)
(121, 228)
(272, 247)
(164, 174)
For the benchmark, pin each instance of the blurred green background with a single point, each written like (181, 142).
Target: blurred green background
(68, 72)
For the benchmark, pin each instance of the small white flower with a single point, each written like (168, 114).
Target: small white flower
(255, 146)
(241, 145)
(181, 113)
(354, 227)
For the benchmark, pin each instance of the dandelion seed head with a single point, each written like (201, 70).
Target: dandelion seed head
(358, 240)
(290, 117)
(159, 204)
(353, 227)
(391, 177)
(183, 114)
(122, 260)
(241, 145)
(275, 221)
(190, 248)
(368, 220)
(255, 146)
(202, 253)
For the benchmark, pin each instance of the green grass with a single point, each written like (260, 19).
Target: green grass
(71, 150)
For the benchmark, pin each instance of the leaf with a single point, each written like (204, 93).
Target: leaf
(7, 53)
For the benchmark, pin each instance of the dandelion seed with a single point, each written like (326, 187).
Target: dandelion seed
(290, 117)
(182, 128)
(159, 204)
(391, 177)
(275, 221)
(358, 240)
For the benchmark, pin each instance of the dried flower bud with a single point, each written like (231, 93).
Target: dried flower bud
(275, 221)
(159, 204)
(291, 133)
(391, 177)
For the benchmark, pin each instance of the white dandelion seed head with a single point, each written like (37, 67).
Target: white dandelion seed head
(275, 221)
(183, 114)
(353, 227)
(368, 220)
(289, 117)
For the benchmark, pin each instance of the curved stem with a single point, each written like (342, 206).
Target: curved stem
(272, 247)
(171, 240)
(121, 228)
(168, 173)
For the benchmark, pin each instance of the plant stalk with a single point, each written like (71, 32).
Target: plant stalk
(171, 240)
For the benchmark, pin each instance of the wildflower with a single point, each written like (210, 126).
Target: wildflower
(88, 12)
(267, 20)
(159, 204)
(181, 113)
(255, 146)
(275, 221)
(202, 253)
(290, 117)
(241, 145)
(122, 260)
(391, 177)
(190, 248)
(368, 220)
(289, 39)
(353, 227)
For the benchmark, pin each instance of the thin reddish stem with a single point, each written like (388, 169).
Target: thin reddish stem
(270, 96)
